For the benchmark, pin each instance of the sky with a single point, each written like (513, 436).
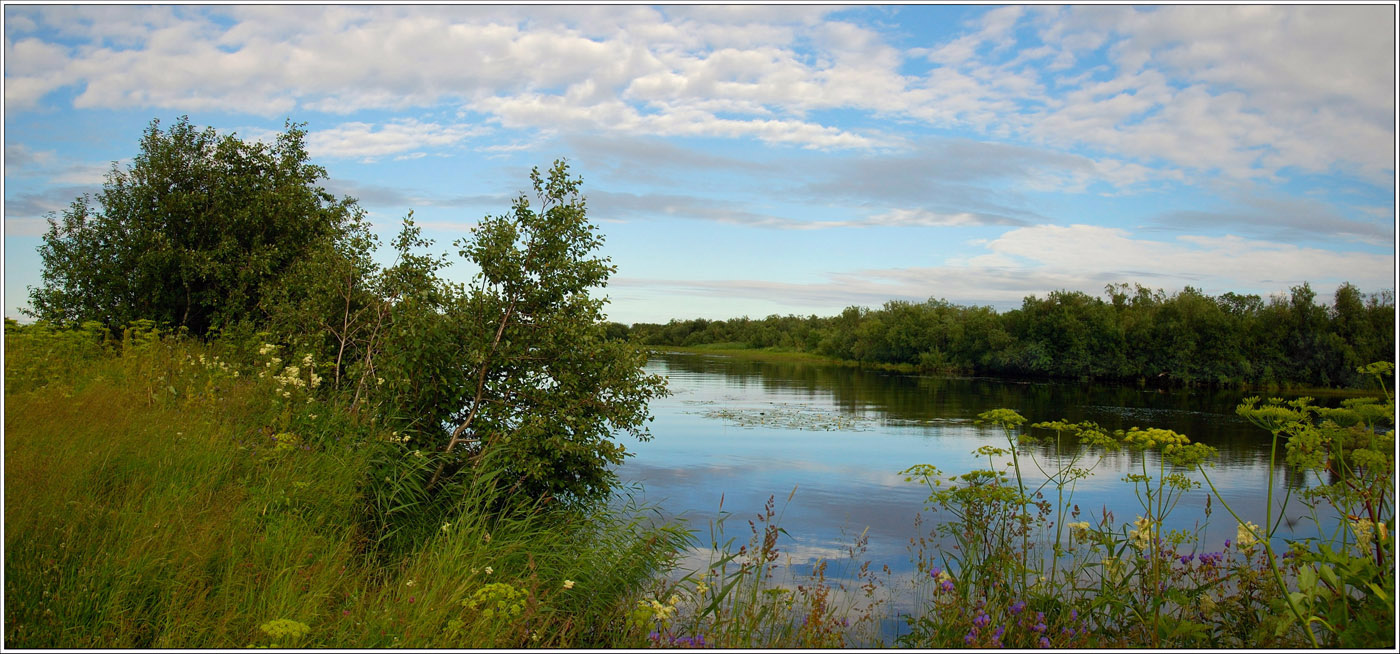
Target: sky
(782, 159)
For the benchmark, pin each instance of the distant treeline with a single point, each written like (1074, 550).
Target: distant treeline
(1133, 333)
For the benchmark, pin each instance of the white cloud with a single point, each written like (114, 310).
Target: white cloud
(1039, 259)
(400, 137)
(1248, 92)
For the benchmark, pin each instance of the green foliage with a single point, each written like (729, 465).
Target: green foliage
(515, 372)
(191, 234)
(1133, 334)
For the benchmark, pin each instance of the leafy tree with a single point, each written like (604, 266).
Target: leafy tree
(190, 234)
(515, 373)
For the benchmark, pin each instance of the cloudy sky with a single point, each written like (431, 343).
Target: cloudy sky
(784, 159)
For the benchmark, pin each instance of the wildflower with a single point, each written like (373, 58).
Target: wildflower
(569, 583)
(996, 637)
(266, 347)
(1141, 535)
(1079, 531)
(982, 619)
(488, 570)
(410, 582)
(488, 538)
(1363, 530)
(285, 628)
(446, 526)
(1244, 535)
(968, 638)
(1113, 570)
(947, 586)
(306, 360)
(935, 572)
(1044, 642)
(701, 587)
(1227, 543)
(1018, 607)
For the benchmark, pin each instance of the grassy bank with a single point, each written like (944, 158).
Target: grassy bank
(154, 497)
(742, 351)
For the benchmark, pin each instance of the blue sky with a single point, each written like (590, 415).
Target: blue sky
(750, 160)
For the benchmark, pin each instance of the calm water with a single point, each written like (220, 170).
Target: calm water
(746, 430)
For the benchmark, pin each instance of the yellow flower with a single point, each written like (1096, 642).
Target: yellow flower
(568, 583)
(489, 570)
(446, 526)
(285, 628)
(1244, 536)
(1363, 529)
(1141, 536)
(1079, 531)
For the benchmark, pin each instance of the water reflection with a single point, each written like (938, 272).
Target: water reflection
(734, 430)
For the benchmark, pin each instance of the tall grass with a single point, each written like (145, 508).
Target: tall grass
(160, 495)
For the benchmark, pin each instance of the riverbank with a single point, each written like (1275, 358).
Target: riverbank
(160, 493)
(741, 351)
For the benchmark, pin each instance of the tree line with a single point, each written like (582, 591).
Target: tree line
(1131, 333)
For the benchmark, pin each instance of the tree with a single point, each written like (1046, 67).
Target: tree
(190, 234)
(515, 372)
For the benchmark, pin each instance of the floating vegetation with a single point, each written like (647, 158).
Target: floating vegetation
(789, 416)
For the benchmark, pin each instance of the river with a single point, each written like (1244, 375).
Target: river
(835, 440)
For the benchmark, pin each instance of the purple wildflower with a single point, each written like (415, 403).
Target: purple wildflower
(968, 638)
(1074, 614)
(947, 585)
(1039, 628)
(982, 619)
(1018, 607)
(935, 571)
(997, 636)
(1044, 642)
(1227, 543)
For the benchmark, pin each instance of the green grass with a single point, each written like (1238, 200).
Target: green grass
(152, 501)
(742, 351)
